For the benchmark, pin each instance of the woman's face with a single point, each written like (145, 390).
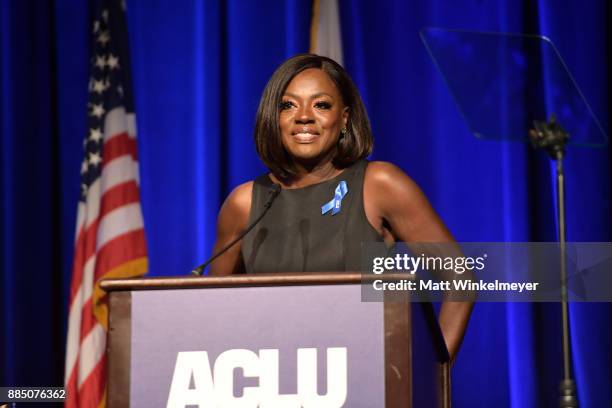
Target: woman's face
(312, 115)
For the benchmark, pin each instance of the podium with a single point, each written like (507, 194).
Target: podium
(270, 340)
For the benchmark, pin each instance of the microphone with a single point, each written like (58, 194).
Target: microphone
(272, 194)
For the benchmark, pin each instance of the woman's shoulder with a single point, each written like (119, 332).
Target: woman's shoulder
(385, 174)
(242, 191)
(386, 184)
(237, 205)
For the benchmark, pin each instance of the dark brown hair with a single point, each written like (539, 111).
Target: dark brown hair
(356, 144)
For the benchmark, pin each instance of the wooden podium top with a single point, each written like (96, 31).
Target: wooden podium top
(261, 279)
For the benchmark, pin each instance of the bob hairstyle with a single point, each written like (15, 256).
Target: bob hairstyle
(355, 144)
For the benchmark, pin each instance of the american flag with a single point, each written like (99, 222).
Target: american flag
(110, 239)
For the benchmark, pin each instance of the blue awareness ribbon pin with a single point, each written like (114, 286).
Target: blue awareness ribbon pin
(336, 202)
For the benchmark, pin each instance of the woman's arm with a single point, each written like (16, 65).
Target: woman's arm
(233, 219)
(393, 201)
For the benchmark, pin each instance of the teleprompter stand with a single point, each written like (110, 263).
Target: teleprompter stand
(552, 138)
(521, 81)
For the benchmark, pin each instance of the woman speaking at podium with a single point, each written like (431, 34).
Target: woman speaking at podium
(324, 197)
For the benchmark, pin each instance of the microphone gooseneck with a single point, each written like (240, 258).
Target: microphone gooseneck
(272, 194)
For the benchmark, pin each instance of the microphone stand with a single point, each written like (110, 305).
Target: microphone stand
(273, 192)
(552, 138)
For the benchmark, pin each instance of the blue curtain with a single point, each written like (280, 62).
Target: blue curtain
(199, 69)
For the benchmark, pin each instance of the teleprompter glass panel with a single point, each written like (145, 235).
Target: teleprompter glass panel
(503, 82)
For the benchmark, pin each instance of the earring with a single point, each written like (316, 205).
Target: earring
(343, 131)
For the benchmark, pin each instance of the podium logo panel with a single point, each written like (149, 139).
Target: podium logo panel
(292, 346)
(196, 382)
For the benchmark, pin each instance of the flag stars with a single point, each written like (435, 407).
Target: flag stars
(84, 167)
(96, 26)
(105, 15)
(94, 159)
(112, 62)
(100, 62)
(97, 110)
(95, 134)
(99, 86)
(103, 38)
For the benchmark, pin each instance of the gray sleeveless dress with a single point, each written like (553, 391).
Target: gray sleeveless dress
(294, 236)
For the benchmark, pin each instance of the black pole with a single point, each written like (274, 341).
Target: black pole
(552, 138)
(568, 398)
